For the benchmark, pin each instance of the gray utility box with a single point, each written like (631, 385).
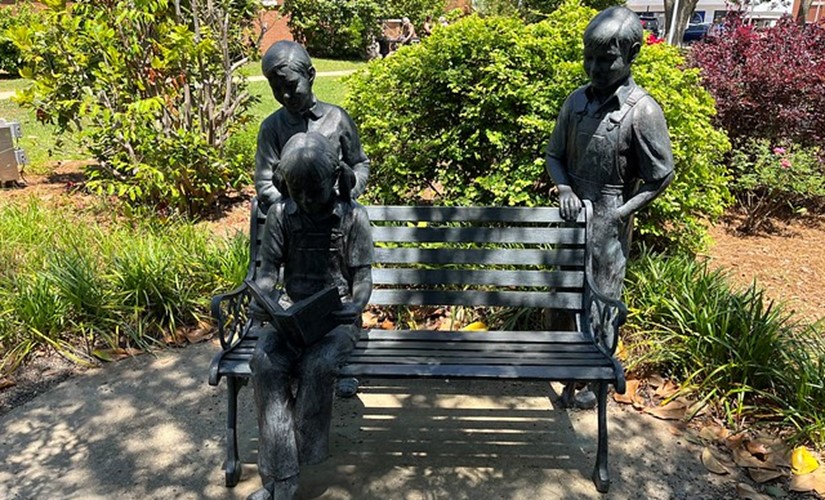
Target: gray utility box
(11, 156)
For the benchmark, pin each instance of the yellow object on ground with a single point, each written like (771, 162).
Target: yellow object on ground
(802, 462)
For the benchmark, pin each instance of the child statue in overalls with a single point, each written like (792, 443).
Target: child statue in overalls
(610, 145)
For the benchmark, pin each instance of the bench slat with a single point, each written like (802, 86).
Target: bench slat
(571, 257)
(523, 235)
(462, 360)
(450, 214)
(494, 372)
(557, 279)
(481, 346)
(479, 336)
(551, 298)
(448, 352)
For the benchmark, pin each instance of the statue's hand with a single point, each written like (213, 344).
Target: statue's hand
(569, 204)
(347, 314)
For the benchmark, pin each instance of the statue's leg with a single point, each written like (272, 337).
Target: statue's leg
(313, 403)
(271, 365)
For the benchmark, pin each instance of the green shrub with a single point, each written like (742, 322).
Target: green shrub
(345, 28)
(11, 17)
(153, 94)
(725, 346)
(464, 118)
(767, 179)
(531, 10)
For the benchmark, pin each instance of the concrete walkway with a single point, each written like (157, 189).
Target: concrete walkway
(151, 428)
(257, 78)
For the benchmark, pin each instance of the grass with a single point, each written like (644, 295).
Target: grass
(253, 68)
(82, 287)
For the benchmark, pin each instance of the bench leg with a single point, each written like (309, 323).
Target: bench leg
(600, 475)
(233, 463)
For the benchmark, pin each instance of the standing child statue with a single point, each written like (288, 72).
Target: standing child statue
(288, 68)
(610, 145)
(323, 240)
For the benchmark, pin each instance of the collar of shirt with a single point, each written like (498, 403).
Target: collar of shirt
(618, 98)
(315, 112)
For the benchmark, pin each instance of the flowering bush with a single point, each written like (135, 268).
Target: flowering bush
(771, 178)
(768, 83)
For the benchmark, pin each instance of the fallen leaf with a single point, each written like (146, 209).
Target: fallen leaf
(621, 352)
(6, 382)
(387, 325)
(674, 430)
(714, 433)
(735, 441)
(475, 326)
(746, 492)
(369, 319)
(675, 410)
(802, 462)
(744, 459)
(197, 335)
(109, 355)
(815, 481)
(667, 389)
(655, 380)
(712, 463)
(757, 448)
(764, 475)
(629, 395)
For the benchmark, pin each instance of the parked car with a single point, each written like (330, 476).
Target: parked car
(650, 23)
(696, 30)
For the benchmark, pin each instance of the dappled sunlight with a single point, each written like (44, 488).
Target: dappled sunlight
(151, 428)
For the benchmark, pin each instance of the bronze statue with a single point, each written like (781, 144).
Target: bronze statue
(323, 239)
(610, 145)
(288, 68)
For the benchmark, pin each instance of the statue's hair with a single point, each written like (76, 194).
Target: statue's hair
(308, 158)
(285, 54)
(617, 26)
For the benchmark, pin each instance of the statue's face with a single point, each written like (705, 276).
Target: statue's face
(314, 198)
(292, 89)
(606, 66)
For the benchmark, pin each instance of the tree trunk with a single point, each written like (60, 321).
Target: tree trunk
(683, 14)
(802, 13)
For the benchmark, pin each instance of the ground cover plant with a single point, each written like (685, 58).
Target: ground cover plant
(87, 289)
(464, 117)
(744, 355)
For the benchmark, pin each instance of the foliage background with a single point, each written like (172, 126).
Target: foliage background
(463, 117)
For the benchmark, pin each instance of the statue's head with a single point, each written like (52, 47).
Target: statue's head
(612, 41)
(310, 168)
(288, 68)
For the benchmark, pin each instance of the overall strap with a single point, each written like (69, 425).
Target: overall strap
(634, 97)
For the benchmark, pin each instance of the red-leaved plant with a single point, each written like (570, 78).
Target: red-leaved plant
(769, 83)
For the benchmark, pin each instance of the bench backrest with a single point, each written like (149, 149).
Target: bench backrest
(472, 256)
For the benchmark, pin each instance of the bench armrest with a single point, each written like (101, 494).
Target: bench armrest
(608, 311)
(230, 312)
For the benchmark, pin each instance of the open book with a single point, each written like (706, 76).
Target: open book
(306, 321)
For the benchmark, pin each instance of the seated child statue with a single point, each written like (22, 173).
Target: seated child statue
(611, 146)
(322, 239)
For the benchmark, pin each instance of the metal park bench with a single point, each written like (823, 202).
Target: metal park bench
(490, 257)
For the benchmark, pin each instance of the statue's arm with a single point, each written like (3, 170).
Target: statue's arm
(653, 151)
(353, 155)
(556, 152)
(266, 163)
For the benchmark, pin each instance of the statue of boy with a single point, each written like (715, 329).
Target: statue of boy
(288, 68)
(610, 145)
(322, 239)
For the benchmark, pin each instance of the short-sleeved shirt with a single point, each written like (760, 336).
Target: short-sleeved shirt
(330, 121)
(316, 253)
(644, 150)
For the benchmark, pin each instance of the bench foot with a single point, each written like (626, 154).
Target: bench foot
(601, 477)
(233, 463)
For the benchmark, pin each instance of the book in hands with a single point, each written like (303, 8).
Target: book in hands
(306, 321)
